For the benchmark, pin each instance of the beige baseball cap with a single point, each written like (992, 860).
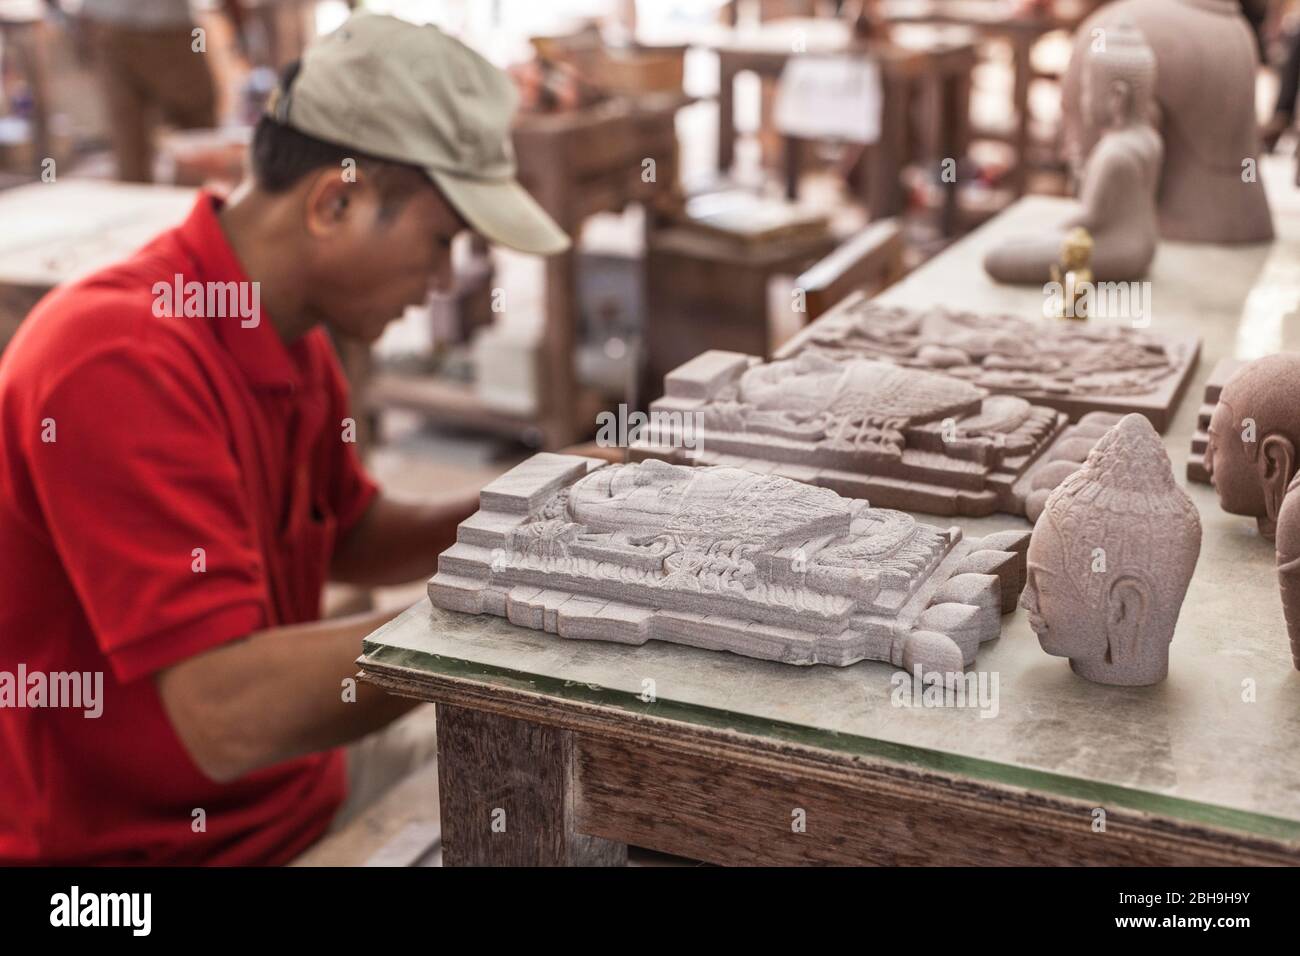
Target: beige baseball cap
(414, 95)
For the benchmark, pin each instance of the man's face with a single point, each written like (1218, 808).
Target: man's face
(1232, 473)
(380, 261)
(1049, 596)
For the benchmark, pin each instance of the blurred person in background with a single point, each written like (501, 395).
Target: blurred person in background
(23, 51)
(152, 67)
(1283, 117)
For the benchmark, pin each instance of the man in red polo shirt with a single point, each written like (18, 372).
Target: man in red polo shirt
(177, 477)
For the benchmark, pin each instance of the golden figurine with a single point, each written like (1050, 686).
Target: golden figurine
(1074, 274)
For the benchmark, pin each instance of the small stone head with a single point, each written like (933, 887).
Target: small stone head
(1254, 436)
(1119, 81)
(1110, 560)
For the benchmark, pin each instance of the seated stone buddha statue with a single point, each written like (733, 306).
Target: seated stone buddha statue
(1110, 560)
(1206, 61)
(1118, 189)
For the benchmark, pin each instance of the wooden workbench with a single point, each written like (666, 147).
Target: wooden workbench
(54, 233)
(715, 764)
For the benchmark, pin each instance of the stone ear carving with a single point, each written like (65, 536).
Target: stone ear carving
(1121, 102)
(1277, 465)
(1128, 606)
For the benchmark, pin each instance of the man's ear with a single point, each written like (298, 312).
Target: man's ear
(332, 200)
(1277, 466)
(1128, 607)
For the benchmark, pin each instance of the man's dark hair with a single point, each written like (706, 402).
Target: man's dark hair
(281, 156)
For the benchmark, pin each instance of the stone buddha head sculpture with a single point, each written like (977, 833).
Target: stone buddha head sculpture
(1255, 439)
(1253, 459)
(1110, 560)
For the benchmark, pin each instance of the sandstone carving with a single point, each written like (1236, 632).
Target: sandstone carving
(1219, 375)
(1253, 462)
(1074, 367)
(1110, 560)
(1117, 195)
(900, 437)
(726, 559)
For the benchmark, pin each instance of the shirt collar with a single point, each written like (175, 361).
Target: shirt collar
(265, 359)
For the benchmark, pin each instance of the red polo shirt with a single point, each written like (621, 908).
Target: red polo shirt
(128, 442)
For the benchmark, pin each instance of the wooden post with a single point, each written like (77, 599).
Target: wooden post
(507, 793)
(954, 139)
(885, 196)
(560, 388)
(793, 166)
(1022, 50)
(726, 112)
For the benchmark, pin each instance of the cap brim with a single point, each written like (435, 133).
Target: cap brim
(503, 212)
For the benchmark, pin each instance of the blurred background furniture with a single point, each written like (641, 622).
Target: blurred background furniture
(931, 67)
(54, 233)
(711, 289)
(1017, 25)
(576, 164)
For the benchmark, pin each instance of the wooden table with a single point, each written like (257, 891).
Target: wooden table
(53, 233)
(574, 164)
(936, 60)
(589, 747)
(1004, 21)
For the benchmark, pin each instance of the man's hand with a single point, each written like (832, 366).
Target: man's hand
(396, 542)
(275, 695)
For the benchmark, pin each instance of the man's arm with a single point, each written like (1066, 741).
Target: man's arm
(397, 542)
(275, 695)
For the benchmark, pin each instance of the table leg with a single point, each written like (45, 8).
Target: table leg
(506, 794)
(793, 166)
(559, 383)
(726, 114)
(954, 140)
(883, 186)
(1022, 47)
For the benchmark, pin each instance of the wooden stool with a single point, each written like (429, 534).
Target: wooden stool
(705, 292)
